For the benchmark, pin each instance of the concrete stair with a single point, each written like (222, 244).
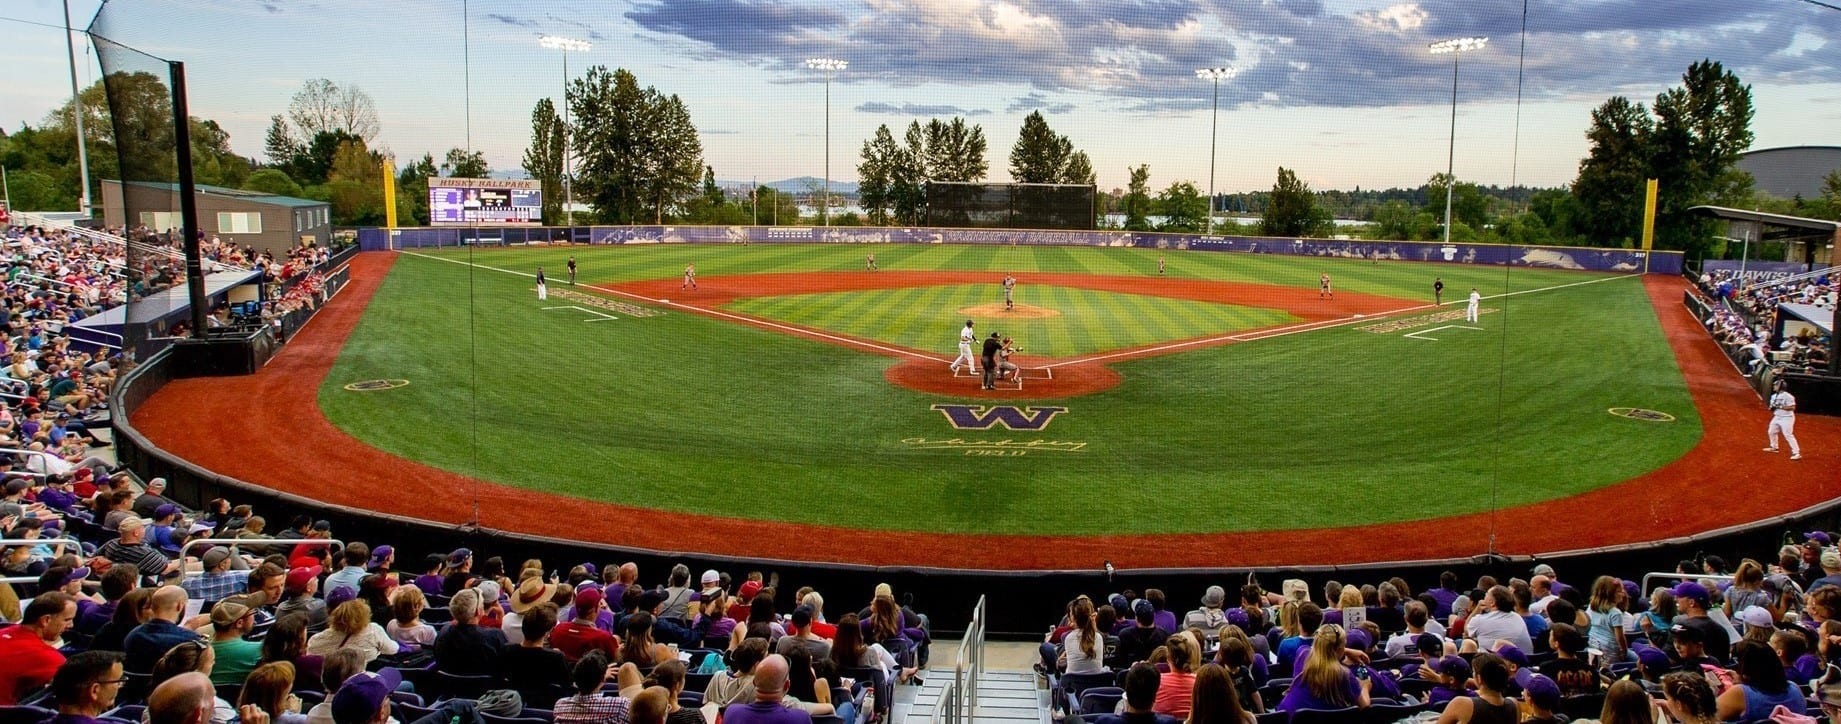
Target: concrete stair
(1004, 697)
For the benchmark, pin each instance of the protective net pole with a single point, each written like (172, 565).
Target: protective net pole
(188, 200)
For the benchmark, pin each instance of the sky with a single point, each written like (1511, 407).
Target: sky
(1344, 92)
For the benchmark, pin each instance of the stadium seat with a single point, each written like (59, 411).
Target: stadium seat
(1390, 713)
(131, 712)
(1273, 717)
(25, 714)
(1100, 700)
(462, 686)
(1588, 706)
(1346, 715)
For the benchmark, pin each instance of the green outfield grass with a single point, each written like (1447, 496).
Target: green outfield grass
(1086, 321)
(1335, 426)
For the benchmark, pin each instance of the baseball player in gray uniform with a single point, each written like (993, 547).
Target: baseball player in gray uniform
(1783, 419)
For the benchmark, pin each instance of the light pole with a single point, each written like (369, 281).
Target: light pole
(1455, 47)
(557, 42)
(829, 66)
(1214, 75)
(76, 112)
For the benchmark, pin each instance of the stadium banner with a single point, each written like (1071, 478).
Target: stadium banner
(1760, 271)
(1550, 257)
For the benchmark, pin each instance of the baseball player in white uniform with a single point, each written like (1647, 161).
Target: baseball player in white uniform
(1783, 419)
(543, 290)
(1470, 312)
(966, 338)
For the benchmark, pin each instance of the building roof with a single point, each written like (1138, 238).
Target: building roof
(1791, 171)
(254, 197)
(1820, 226)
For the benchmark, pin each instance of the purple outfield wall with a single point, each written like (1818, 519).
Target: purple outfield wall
(1552, 257)
(1761, 271)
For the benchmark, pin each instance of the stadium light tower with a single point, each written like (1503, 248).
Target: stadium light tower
(557, 42)
(829, 66)
(1456, 48)
(1214, 75)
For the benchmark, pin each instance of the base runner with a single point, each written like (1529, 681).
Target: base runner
(966, 338)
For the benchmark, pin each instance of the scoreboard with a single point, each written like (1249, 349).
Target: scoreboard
(490, 201)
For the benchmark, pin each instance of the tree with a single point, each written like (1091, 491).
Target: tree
(272, 181)
(1611, 177)
(954, 151)
(1393, 220)
(1079, 170)
(773, 208)
(674, 161)
(1701, 129)
(37, 191)
(1468, 204)
(543, 159)
(1040, 155)
(1182, 207)
(1829, 206)
(1137, 201)
(321, 106)
(461, 163)
(874, 175)
(280, 144)
(639, 152)
(908, 177)
(353, 187)
(1292, 210)
(412, 190)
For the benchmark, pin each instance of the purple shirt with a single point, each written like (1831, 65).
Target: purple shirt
(1299, 696)
(764, 712)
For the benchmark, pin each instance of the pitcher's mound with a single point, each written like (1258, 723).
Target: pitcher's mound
(1021, 311)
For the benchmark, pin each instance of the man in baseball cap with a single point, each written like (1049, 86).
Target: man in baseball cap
(365, 698)
(1694, 599)
(301, 584)
(231, 619)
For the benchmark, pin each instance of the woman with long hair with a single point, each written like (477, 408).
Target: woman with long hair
(1659, 620)
(803, 684)
(350, 626)
(849, 650)
(270, 687)
(287, 641)
(1627, 703)
(1235, 656)
(1747, 589)
(1175, 687)
(1606, 617)
(1324, 683)
(1489, 705)
(1689, 697)
(1762, 686)
(1083, 649)
(1215, 700)
(638, 648)
(131, 611)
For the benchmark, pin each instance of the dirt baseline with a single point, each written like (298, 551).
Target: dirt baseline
(1020, 311)
(280, 439)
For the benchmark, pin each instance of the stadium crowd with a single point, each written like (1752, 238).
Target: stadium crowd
(127, 622)
(1760, 642)
(1741, 317)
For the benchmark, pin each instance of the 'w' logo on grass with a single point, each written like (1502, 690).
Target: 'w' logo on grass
(978, 417)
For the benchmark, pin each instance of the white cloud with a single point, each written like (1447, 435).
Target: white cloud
(1393, 18)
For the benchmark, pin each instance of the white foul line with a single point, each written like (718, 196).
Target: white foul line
(603, 317)
(716, 313)
(1415, 335)
(1309, 326)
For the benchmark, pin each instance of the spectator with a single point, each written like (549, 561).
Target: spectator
(466, 648)
(457, 573)
(150, 641)
(300, 587)
(1540, 702)
(406, 625)
(1308, 619)
(1209, 616)
(527, 666)
(1498, 622)
(1141, 683)
(713, 620)
(192, 657)
(85, 686)
(678, 595)
(189, 698)
(130, 549)
(1762, 686)
(804, 691)
(150, 500)
(650, 705)
(737, 685)
(336, 668)
(431, 579)
(270, 687)
(1569, 669)
(1401, 644)
(1214, 700)
(806, 637)
(29, 649)
(350, 626)
(768, 707)
(287, 641)
(531, 593)
(217, 581)
(1175, 689)
(1626, 703)
(638, 648)
(848, 650)
(1694, 600)
(68, 581)
(232, 619)
(1137, 642)
(116, 583)
(1689, 698)
(1490, 705)
(1606, 615)
(1325, 683)
(589, 705)
(1450, 677)
(578, 637)
(135, 607)
(1747, 589)
(353, 557)
(670, 676)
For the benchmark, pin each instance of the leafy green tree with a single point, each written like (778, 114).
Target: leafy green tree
(1829, 205)
(412, 190)
(1468, 204)
(1293, 210)
(1137, 200)
(1701, 129)
(954, 151)
(1392, 220)
(461, 163)
(1609, 188)
(774, 208)
(280, 144)
(1182, 207)
(908, 177)
(1042, 156)
(874, 174)
(37, 191)
(543, 159)
(674, 160)
(353, 185)
(272, 181)
(639, 152)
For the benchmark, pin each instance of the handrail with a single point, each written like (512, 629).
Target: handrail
(234, 542)
(959, 700)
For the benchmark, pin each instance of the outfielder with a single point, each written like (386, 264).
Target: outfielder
(572, 271)
(966, 338)
(869, 264)
(543, 290)
(690, 277)
(1160, 266)
(1783, 419)
(1009, 289)
(1470, 312)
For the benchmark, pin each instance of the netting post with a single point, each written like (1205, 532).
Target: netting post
(188, 200)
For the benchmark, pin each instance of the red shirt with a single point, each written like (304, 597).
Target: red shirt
(26, 663)
(575, 640)
(824, 630)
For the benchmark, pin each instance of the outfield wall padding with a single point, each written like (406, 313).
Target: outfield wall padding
(1547, 257)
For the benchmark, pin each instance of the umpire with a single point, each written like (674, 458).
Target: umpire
(991, 345)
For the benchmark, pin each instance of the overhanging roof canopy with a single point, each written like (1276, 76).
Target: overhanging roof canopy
(1775, 226)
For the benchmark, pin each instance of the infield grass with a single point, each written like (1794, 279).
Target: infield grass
(1327, 427)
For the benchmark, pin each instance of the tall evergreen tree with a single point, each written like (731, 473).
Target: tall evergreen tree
(874, 175)
(543, 159)
(1137, 201)
(1293, 210)
(1040, 155)
(1611, 177)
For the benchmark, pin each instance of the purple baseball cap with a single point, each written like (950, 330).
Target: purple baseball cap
(1654, 660)
(1429, 644)
(1359, 640)
(359, 698)
(1453, 666)
(1513, 655)
(1542, 691)
(1690, 589)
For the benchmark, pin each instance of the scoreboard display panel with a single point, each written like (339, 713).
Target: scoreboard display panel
(489, 201)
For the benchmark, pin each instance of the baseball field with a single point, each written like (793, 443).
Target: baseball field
(796, 405)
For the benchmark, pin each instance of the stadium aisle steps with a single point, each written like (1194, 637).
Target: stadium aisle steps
(1005, 696)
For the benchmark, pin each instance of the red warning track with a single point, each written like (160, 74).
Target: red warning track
(926, 371)
(267, 429)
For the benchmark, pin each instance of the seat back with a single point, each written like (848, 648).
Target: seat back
(25, 714)
(1390, 713)
(1273, 717)
(1345, 715)
(462, 686)
(1100, 700)
(1588, 706)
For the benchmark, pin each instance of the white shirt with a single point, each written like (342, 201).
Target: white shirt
(1475, 298)
(1486, 628)
(966, 336)
(1783, 405)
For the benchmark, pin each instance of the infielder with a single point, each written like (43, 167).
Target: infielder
(1323, 286)
(572, 271)
(1783, 419)
(869, 264)
(966, 338)
(690, 277)
(1009, 289)
(543, 290)
(1438, 292)
(1160, 266)
(1470, 312)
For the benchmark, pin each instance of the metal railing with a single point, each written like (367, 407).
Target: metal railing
(234, 543)
(959, 699)
(57, 549)
(1717, 613)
